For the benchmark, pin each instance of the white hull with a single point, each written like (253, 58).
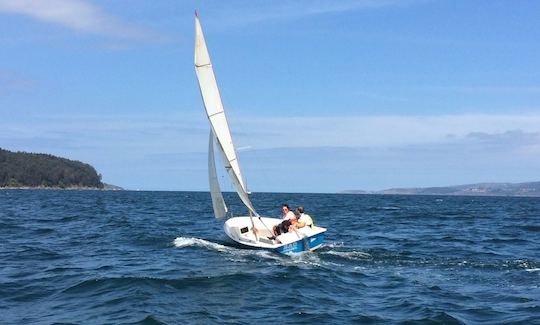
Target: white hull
(241, 230)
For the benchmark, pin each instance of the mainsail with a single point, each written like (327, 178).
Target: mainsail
(216, 115)
(220, 209)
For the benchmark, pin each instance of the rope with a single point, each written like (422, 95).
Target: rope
(260, 219)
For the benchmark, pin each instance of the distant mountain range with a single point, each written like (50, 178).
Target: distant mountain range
(480, 189)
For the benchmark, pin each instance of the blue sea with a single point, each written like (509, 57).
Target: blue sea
(98, 257)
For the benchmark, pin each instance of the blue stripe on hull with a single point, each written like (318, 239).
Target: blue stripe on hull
(298, 246)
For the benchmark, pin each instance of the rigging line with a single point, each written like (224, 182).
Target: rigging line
(260, 219)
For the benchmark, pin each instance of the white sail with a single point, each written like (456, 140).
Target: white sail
(216, 114)
(220, 209)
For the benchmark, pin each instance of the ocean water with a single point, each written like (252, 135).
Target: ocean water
(91, 257)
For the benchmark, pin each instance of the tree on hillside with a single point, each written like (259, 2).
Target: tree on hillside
(33, 169)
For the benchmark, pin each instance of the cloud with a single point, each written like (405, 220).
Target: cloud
(373, 131)
(463, 160)
(190, 133)
(11, 81)
(511, 137)
(114, 137)
(259, 11)
(74, 14)
(526, 144)
(528, 90)
(292, 153)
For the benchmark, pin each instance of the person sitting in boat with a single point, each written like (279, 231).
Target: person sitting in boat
(288, 219)
(304, 219)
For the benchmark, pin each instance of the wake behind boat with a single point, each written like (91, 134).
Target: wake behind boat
(253, 230)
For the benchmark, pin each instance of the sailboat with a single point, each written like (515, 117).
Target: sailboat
(253, 230)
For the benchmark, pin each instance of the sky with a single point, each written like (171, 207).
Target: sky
(321, 95)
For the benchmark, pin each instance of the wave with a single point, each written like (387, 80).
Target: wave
(352, 255)
(332, 245)
(390, 208)
(113, 285)
(523, 264)
(329, 252)
(406, 258)
(332, 254)
(149, 320)
(309, 259)
(181, 242)
(531, 228)
(383, 208)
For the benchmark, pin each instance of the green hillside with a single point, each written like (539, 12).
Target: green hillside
(21, 169)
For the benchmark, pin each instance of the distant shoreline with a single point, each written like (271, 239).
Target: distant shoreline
(529, 189)
(60, 188)
(106, 187)
(439, 195)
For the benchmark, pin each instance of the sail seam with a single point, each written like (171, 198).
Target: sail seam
(209, 116)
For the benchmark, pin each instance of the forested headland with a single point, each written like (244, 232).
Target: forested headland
(22, 169)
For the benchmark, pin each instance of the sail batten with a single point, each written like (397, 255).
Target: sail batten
(216, 115)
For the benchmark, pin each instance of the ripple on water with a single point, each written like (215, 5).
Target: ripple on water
(161, 258)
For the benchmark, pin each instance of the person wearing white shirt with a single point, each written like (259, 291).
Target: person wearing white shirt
(288, 219)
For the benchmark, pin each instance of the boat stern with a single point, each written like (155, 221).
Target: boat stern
(303, 245)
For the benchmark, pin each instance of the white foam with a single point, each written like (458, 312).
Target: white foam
(533, 270)
(333, 245)
(350, 255)
(181, 242)
(305, 258)
(240, 255)
(190, 241)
